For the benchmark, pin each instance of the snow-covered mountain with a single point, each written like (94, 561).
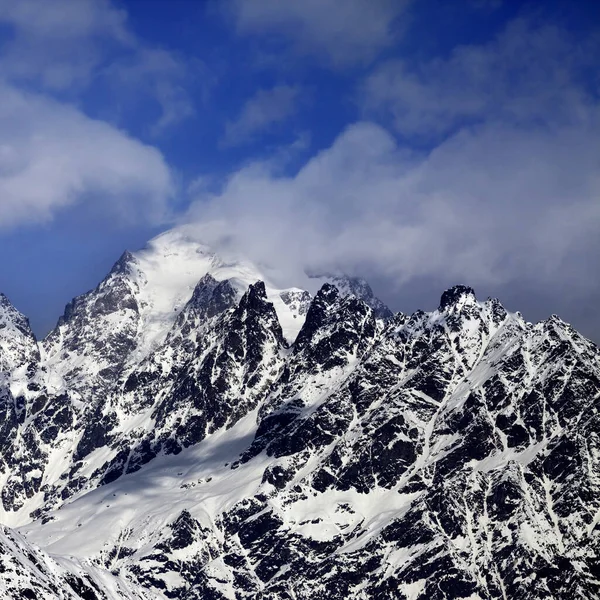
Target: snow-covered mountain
(192, 429)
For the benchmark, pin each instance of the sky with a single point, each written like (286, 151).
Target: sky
(417, 143)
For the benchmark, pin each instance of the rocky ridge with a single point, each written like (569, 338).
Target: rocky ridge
(230, 439)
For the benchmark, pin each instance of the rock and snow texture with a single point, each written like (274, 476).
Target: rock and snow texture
(192, 430)
(28, 572)
(18, 345)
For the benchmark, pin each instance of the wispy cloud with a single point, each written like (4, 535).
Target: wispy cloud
(63, 47)
(261, 113)
(158, 74)
(52, 156)
(59, 44)
(528, 74)
(342, 32)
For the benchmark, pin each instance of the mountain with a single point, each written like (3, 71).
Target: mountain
(193, 429)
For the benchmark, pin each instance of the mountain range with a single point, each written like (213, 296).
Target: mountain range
(195, 429)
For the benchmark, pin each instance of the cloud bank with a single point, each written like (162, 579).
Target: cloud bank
(486, 206)
(502, 195)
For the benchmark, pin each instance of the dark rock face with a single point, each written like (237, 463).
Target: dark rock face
(455, 295)
(299, 299)
(235, 364)
(100, 325)
(444, 455)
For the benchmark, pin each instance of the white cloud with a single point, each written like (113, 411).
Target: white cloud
(53, 156)
(488, 206)
(344, 32)
(505, 197)
(59, 43)
(261, 113)
(64, 46)
(528, 74)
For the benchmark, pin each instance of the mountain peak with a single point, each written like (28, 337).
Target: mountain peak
(456, 297)
(255, 296)
(328, 293)
(12, 317)
(358, 287)
(123, 265)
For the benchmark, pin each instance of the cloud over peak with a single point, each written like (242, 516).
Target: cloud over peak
(367, 206)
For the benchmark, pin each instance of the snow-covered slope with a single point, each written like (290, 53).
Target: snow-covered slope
(28, 572)
(18, 347)
(451, 454)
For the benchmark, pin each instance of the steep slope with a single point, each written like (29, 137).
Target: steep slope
(81, 388)
(452, 454)
(22, 395)
(27, 572)
(19, 358)
(164, 407)
(18, 347)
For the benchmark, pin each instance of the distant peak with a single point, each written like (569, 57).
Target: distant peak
(556, 321)
(354, 285)
(211, 297)
(457, 295)
(6, 303)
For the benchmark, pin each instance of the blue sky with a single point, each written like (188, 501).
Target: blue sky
(419, 143)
